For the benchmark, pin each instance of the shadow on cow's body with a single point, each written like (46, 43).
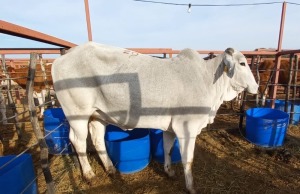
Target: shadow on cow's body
(99, 85)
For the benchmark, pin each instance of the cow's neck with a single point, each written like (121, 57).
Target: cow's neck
(222, 89)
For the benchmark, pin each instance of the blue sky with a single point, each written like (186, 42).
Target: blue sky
(132, 24)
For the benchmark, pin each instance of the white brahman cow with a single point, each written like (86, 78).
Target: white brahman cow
(99, 85)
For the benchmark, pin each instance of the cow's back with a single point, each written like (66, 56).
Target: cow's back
(104, 67)
(121, 82)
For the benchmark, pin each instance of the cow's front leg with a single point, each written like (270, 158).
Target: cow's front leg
(187, 146)
(78, 135)
(186, 131)
(168, 140)
(97, 131)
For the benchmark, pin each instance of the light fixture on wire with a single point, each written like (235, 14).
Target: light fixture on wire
(190, 8)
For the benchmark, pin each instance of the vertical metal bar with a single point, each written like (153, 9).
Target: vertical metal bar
(281, 26)
(276, 72)
(278, 58)
(62, 51)
(290, 76)
(35, 124)
(295, 87)
(242, 109)
(258, 58)
(252, 63)
(88, 22)
(47, 87)
(11, 102)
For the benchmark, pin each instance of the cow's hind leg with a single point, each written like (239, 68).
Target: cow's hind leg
(168, 139)
(78, 135)
(97, 131)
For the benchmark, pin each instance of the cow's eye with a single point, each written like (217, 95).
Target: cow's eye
(242, 64)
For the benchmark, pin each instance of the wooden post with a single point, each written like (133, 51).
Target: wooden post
(35, 124)
(11, 103)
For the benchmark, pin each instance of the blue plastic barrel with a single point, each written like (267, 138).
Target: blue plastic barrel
(157, 147)
(266, 127)
(17, 174)
(280, 105)
(128, 150)
(57, 131)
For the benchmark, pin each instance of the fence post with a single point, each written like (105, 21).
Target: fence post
(36, 127)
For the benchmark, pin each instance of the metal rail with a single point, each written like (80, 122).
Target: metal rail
(19, 31)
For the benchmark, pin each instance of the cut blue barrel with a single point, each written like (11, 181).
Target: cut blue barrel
(57, 131)
(280, 105)
(157, 147)
(17, 174)
(128, 150)
(266, 127)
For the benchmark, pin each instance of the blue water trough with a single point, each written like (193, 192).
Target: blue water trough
(266, 127)
(128, 150)
(57, 131)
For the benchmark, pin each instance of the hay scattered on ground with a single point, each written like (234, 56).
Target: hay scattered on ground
(225, 162)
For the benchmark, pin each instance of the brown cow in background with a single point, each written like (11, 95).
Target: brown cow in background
(266, 69)
(19, 75)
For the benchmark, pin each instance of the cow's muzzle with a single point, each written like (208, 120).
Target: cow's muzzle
(252, 89)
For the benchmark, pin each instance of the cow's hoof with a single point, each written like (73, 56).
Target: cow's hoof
(171, 173)
(89, 177)
(111, 170)
(91, 181)
(192, 191)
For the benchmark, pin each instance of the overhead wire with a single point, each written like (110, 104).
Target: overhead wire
(215, 5)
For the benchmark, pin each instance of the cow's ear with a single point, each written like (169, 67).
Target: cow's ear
(228, 60)
(229, 51)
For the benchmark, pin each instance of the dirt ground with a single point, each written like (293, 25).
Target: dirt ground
(225, 162)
